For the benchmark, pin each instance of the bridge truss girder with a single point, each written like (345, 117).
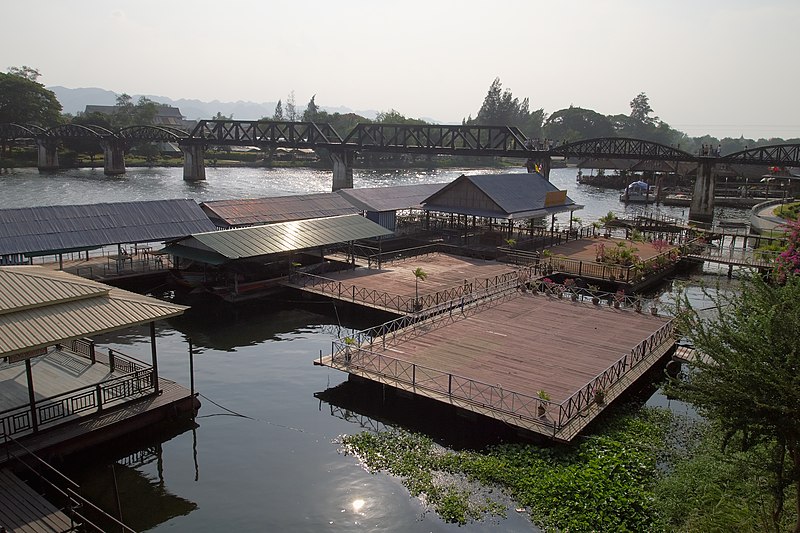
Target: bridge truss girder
(151, 134)
(15, 132)
(622, 148)
(781, 155)
(261, 133)
(502, 141)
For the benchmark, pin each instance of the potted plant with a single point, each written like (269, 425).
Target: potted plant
(544, 399)
(595, 298)
(637, 304)
(619, 297)
(419, 275)
(600, 397)
(654, 306)
(569, 285)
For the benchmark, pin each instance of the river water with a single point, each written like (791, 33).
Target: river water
(264, 454)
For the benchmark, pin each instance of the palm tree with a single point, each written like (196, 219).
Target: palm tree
(419, 274)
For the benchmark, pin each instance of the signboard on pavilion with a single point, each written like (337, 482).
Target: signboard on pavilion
(552, 198)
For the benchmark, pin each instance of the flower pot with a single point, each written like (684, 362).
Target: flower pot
(595, 300)
(654, 311)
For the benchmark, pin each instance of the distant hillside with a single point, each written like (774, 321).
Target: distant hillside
(74, 101)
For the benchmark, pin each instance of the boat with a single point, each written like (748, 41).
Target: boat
(638, 192)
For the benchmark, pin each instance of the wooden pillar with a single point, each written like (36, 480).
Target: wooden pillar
(154, 355)
(31, 395)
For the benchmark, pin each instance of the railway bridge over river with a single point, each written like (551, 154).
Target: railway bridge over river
(421, 139)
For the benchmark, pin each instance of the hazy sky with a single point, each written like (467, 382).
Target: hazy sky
(724, 67)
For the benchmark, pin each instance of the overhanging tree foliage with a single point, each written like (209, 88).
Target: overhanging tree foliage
(750, 383)
(25, 101)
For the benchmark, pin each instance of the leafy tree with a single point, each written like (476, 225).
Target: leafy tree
(26, 72)
(500, 108)
(291, 109)
(311, 111)
(640, 110)
(419, 275)
(278, 115)
(220, 116)
(24, 100)
(575, 123)
(395, 117)
(749, 382)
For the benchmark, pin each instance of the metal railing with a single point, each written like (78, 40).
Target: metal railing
(591, 269)
(65, 489)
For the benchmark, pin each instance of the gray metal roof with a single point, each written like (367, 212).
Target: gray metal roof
(61, 228)
(254, 241)
(510, 196)
(255, 211)
(390, 198)
(41, 307)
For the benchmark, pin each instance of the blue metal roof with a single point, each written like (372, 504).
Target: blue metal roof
(63, 228)
(511, 196)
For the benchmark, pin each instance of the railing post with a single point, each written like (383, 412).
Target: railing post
(449, 384)
(92, 354)
(414, 374)
(99, 397)
(111, 361)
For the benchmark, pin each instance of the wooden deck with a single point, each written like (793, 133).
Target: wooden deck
(22, 510)
(393, 287)
(54, 373)
(496, 357)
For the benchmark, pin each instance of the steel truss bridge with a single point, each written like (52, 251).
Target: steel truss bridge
(486, 141)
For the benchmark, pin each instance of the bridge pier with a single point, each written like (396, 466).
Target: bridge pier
(194, 166)
(702, 206)
(113, 158)
(540, 165)
(343, 169)
(47, 154)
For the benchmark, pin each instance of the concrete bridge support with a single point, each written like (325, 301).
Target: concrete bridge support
(194, 167)
(702, 206)
(48, 154)
(540, 165)
(342, 169)
(113, 158)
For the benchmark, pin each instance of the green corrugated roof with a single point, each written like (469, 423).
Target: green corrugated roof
(285, 236)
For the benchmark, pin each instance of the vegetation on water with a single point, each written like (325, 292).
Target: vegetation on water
(603, 483)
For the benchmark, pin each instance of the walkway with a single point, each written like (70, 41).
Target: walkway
(22, 510)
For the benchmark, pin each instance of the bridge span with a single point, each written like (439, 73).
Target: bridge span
(423, 139)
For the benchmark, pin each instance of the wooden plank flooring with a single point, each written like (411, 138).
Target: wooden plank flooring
(22, 510)
(397, 278)
(532, 343)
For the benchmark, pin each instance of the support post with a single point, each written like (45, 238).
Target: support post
(194, 166)
(48, 154)
(154, 354)
(113, 157)
(702, 207)
(342, 169)
(31, 395)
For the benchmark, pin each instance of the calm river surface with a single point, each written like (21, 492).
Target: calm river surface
(264, 455)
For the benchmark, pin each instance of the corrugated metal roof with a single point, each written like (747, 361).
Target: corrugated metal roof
(512, 196)
(73, 227)
(253, 241)
(26, 288)
(52, 310)
(255, 211)
(390, 198)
